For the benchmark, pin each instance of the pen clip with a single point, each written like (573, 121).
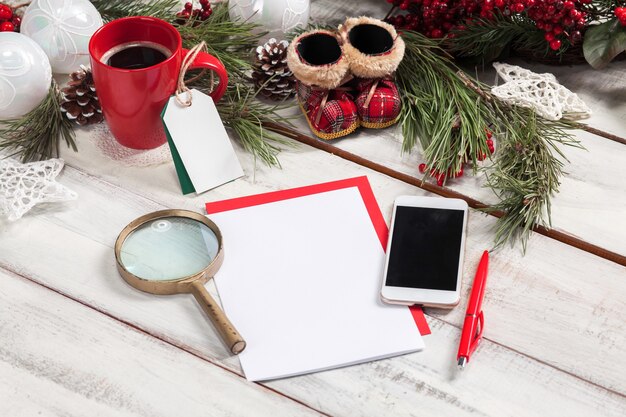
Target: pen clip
(479, 335)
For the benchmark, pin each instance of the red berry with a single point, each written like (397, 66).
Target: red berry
(205, 15)
(575, 36)
(459, 173)
(555, 45)
(188, 6)
(440, 179)
(489, 142)
(568, 4)
(575, 14)
(5, 12)
(7, 27)
(204, 3)
(422, 168)
(436, 33)
(549, 36)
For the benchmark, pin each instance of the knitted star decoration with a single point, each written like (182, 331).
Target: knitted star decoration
(540, 91)
(22, 186)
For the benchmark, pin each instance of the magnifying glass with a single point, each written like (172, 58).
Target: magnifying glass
(173, 252)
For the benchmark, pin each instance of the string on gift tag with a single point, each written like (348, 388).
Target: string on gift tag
(187, 61)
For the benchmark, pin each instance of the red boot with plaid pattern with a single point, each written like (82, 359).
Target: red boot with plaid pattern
(374, 51)
(316, 59)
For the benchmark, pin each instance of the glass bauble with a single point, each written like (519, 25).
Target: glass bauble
(62, 28)
(276, 16)
(25, 75)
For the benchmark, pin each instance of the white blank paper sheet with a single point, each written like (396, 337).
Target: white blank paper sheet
(301, 281)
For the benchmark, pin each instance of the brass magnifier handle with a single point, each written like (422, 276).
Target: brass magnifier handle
(229, 334)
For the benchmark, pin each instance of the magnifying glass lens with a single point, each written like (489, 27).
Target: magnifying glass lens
(169, 248)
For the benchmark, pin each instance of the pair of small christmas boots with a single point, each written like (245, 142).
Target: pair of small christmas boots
(345, 78)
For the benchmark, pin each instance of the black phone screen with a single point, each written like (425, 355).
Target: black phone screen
(425, 248)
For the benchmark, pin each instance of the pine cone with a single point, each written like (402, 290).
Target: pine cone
(271, 73)
(80, 101)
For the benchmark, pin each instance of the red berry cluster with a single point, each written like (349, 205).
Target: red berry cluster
(433, 18)
(560, 19)
(9, 21)
(197, 14)
(620, 13)
(441, 176)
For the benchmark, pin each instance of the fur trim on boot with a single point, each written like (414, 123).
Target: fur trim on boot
(316, 59)
(372, 46)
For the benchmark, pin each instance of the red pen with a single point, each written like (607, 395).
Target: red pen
(474, 324)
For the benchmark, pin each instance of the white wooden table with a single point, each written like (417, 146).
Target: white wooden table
(76, 340)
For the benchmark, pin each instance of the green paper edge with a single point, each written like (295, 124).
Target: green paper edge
(183, 177)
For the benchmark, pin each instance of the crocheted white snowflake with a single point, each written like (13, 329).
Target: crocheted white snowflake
(22, 186)
(541, 92)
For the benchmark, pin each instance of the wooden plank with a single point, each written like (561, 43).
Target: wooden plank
(87, 243)
(500, 381)
(384, 167)
(58, 357)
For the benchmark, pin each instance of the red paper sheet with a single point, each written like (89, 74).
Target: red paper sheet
(362, 183)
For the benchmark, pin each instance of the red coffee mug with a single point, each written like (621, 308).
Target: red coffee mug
(132, 99)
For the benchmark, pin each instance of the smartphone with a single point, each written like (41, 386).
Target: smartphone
(425, 252)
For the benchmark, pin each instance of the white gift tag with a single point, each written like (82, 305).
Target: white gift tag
(202, 142)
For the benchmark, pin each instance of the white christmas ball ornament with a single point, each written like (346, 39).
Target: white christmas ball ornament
(62, 28)
(276, 16)
(25, 75)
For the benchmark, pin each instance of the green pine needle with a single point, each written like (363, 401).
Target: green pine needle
(115, 9)
(449, 112)
(245, 116)
(37, 134)
(487, 39)
(230, 42)
(438, 108)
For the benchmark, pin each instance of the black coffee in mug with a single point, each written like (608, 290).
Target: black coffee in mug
(136, 55)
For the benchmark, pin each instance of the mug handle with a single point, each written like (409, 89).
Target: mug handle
(208, 61)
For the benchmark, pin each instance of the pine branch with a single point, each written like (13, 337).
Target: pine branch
(527, 171)
(488, 39)
(244, 115)
(448, 112)
(231, 42)
(115, 9)
(37, 135)
(437, 107)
